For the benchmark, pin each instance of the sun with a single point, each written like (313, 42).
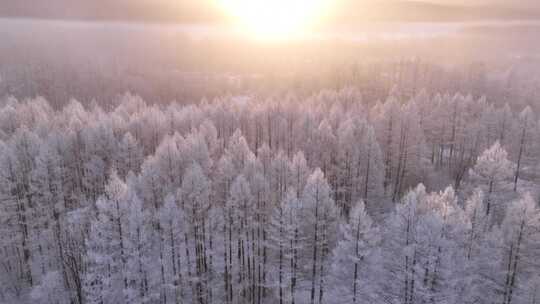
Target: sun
(270, 19)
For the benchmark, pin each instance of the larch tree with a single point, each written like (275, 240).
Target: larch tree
(285, 242)
(410, 150)
(416, 252)
(521, 247)
(478, 221)
(107, 254)
(525, 127)
(47, 182)
(352, 257)
(493, 167)
(195, 149)
(294, 241)
(172, 222)
(386, 121)
(370, 169)
(277, 244)
(299, 171)
(239, 215)
(130, 155)
(347, 158)
(238, 150)
(319, 211)
(138, 243)
(263, 198)
(505, 118)
(19, 202)
(399, 252)
(327, 141)
(195, 202)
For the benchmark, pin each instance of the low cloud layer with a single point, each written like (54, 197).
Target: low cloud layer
(206, 11)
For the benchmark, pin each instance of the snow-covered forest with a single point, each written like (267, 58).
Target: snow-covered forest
(322, 199)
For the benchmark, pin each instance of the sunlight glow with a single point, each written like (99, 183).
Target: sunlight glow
(275, 19)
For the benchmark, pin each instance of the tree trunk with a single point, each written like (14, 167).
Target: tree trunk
(488, 199)
(521, 146)
(315, 250)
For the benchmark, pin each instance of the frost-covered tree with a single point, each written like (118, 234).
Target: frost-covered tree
(370, 168)
(399, 252)
(346, 165)
(319, 213)
(130, 156)
(173, 226)
(420, 250)
(526, 124)
(107, 249)
(299, 171)
(521, 247)
(238, 150)
(47, 184)
(493, 167)
(402, 141)
(19, 203)
(195, 203)
(138, 242)
(478, 221)
(239, 220)
(352, 258)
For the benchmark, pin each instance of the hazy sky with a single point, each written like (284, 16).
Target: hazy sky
(205, 11)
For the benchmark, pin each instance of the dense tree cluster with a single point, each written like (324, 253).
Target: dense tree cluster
(283, 200)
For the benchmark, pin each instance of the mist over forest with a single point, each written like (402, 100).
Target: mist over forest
(89, 61)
